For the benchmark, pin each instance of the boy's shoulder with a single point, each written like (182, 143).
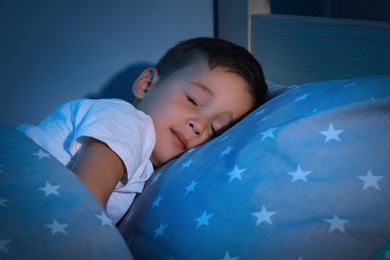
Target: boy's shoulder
(113, 109)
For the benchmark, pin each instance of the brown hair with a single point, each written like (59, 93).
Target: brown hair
(219, 53)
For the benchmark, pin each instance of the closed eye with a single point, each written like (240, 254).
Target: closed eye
(217, 130)
(191, 100)
(214, 132)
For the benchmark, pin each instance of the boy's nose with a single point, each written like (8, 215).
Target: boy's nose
(197, 127)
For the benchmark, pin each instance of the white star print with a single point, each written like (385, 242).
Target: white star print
(263, 216)
(228, 257)
(262, 120)
(187, 164)
(57, 227)
(351, 84)
(260, 112)
(336, 223)
(3, 203)
(203, 220)
(312, 112)
(331, 134)
(299, 174)
(370, 180)
(157, 201)
(129, 217)
(3, 245)
(268, 133)
(160, 230)
(224, 138)
(295, 88)
(155, 178)
(105, 220)
(303, 97)
(235, 173)
(130, 241)
(226, 151)
(191, 187)
(42, 154)
(50, 189)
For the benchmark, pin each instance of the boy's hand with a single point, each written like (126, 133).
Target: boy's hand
(100, 168)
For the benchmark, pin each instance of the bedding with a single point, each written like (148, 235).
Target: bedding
(305, 176)
(45, 210)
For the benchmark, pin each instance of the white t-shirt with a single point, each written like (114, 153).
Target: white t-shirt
(127, 131)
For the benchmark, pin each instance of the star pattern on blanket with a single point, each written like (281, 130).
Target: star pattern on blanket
(263, 216)
(187, 164)
(156, 177)
(50, 189)
(262, 120)
(42, 154)
(331, 133)
(235, 173)
(57, 227)
(55, 200)
(228, 257)
(157, 202)
(352, 84)
(299, 174)
(3, 245)
(302, 97)
(191, 187)
(203, 220)
(370, 180)
(268, 133)
(105, 220)
(3, 202)
(337, 223)
(233, 193)
(260, 111)
(226, 151)
(160, 230)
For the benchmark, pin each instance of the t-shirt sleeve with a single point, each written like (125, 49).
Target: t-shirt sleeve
(54, 132)
(126, 130)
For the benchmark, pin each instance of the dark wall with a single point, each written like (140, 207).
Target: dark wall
(374, 10)
(55, 51)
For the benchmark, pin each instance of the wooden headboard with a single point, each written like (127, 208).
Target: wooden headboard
(297, 49)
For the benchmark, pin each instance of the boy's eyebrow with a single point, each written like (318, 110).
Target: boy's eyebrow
(203, 87)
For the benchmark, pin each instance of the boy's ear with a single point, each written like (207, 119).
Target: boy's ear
(142, 84)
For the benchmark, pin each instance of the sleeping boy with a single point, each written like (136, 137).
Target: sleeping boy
(197, 90)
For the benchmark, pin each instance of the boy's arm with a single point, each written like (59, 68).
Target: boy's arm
(100, 168)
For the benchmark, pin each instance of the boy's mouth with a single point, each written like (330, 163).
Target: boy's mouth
(179, 140)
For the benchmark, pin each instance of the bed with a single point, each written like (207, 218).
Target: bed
(304, 176)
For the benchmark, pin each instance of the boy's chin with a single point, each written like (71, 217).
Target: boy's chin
(158, 162)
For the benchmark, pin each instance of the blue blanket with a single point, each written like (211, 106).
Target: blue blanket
(305, 176)
(46, 212)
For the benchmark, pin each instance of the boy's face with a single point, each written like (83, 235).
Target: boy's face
(192, 106)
